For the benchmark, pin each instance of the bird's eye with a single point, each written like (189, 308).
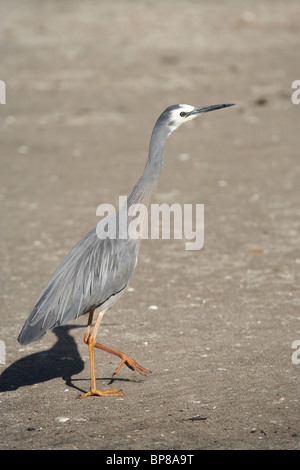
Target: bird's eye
(182, 114)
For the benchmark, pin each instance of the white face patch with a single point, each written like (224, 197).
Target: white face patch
(176, 120)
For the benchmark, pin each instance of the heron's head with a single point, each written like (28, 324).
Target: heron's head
(178, 114)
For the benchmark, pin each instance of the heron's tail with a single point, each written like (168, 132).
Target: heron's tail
(32, 331)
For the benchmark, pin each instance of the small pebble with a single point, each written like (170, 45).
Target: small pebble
(62, 419)
(184, 157)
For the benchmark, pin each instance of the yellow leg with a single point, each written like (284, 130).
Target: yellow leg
(91, 340)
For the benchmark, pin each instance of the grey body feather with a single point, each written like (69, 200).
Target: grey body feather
(93, 274)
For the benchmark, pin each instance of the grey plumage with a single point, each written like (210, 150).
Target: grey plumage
(96, 271)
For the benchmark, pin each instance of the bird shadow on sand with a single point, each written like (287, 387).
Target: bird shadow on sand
(61, 360)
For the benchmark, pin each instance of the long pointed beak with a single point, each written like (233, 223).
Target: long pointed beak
(206, 109)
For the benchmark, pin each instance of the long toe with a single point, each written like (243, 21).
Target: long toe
(132, 364)
(102, 393)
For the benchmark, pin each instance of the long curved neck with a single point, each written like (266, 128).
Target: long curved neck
(148, 181)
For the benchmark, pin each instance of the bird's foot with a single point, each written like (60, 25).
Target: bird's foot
(100, 393)
(132, 364)
(125, 359)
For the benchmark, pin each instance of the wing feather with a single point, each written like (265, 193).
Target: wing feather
(94, 272)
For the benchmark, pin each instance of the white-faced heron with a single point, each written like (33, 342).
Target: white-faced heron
(97, 270)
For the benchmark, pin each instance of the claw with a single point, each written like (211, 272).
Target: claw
(132, 364)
